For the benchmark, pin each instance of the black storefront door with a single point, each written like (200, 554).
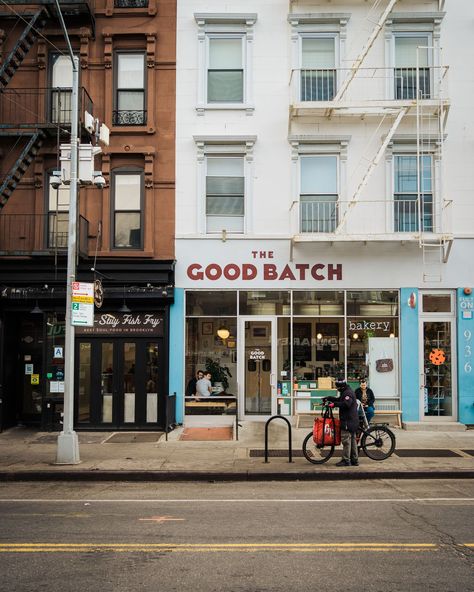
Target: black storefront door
(119, 382)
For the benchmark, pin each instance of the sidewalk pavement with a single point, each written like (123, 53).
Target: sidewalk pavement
(29, 455)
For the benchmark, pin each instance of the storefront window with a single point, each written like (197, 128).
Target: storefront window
(318, 303)
(211, 303)
(211, 344)
(264, 303)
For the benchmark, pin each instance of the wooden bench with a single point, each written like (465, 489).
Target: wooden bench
(396, 412)
(205, 404)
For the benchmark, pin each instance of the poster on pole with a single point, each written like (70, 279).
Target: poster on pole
(82, 304)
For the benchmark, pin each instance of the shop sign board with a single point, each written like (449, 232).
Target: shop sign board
(125, 324)
(82, 304)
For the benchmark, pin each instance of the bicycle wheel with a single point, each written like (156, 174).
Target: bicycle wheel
(316, 453)
(378, 442)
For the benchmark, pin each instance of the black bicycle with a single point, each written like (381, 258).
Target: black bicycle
(377, 441)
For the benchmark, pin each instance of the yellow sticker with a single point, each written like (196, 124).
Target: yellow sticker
(35, 379)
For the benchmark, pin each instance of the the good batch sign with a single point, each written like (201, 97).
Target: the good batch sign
(259, 268)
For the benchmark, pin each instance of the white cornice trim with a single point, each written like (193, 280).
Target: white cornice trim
(217, 18)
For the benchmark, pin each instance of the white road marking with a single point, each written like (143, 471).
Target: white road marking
(90, 501)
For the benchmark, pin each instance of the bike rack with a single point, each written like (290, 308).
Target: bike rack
(290, 454)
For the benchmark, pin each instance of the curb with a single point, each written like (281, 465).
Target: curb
(170, 476)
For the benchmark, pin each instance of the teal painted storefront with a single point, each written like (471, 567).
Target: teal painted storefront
(465, 358)
(410, 370)
(176, 358)
(409, 355)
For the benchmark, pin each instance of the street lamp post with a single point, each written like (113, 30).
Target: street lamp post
(68, 443)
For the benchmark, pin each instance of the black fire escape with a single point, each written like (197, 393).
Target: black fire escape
(31, 116)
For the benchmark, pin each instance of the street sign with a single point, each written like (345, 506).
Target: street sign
(82, 304)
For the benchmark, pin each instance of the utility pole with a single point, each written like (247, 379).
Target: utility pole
(68, 443)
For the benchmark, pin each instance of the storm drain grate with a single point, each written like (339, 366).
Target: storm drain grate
(127, 438)
(426, 452)
(471, 452)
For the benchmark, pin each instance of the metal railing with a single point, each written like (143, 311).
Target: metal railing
(400, 215)
(369, 84)
(127, 117)
(131, 3)
(40, 107)
(26, 234)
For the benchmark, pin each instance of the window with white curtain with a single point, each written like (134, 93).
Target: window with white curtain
(127, 209)
(225, 71)
(225, 194)
(129, 106)
(319, 192)
(408, 208)
(412, 50)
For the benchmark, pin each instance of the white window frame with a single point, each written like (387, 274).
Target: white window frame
(337, 61)
(317, 25)
(413, 24)
(222, 25)
(230, 146)
(406, 146)
(308, 145)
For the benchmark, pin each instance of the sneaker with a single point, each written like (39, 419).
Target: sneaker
(355, 463)
(343, 463)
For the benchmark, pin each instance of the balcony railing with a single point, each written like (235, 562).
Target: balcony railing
(40, 107)
(29, 234)
(127, 117)
(369, 85)
(131, 3)
(369, 218)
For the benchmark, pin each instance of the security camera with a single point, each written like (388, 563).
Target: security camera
(55, 181)
(99, 181)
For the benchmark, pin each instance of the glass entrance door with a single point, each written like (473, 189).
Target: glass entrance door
(118, 382)
(257, 357)
(438, 401)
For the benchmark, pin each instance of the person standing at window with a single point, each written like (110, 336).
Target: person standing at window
(366, 396)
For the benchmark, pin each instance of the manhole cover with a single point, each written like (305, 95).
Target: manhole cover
(426, 452)
(127, 438)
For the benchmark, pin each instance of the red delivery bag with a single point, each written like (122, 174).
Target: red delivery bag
(327, 430)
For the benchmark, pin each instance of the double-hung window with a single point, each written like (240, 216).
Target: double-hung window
(225, 194)
(61, 91)
(225, 69)
(318, 68)
(412, 75)
(58, 217)
(127, 209)
(129, 100)
(413, 193)
(319, 193)
(224, 61)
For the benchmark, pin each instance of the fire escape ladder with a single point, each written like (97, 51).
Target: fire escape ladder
(22, 47)
(371, 167)
(365, 50)
(20, 167)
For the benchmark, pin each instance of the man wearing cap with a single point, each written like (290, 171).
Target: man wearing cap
(348, 414)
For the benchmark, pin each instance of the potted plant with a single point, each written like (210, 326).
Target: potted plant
(219, 374)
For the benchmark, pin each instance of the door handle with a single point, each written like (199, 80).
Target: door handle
(272, 379)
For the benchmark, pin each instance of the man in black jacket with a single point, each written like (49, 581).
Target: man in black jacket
(347, 404)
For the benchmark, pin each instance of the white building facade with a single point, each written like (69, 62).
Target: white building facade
(324, 205)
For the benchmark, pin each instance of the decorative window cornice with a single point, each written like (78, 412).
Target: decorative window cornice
(219, 18)
(318, 144)
(225, 145)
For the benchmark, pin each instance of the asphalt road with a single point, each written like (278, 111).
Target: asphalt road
(357, 536)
